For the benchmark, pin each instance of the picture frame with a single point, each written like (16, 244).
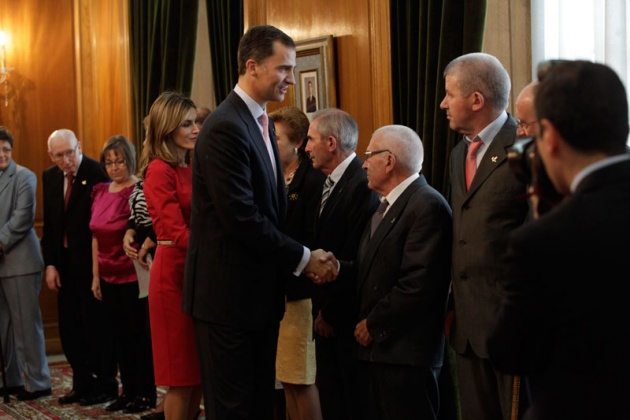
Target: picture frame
(315, 64)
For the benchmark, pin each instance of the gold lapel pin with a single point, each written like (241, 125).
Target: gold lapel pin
(494, 159)
(84, 182)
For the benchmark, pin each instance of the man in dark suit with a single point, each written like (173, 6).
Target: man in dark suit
(332, 140)
(237, 256)
(562, 322)
(494, 204)
(67, 249)
(403, 270)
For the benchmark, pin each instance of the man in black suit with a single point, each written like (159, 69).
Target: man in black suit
(563, 322)
(67, 249)
(237, 256)
(332, 140)
(484, 213)
(403, 275)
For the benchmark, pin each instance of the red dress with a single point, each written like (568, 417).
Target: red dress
(168, 191)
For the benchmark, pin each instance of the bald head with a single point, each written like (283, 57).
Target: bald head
(64, 150)
(525, 111)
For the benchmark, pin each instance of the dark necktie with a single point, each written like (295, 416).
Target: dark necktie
(378, 216)
(471, 161)
(326, 192)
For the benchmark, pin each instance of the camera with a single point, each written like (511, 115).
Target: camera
(528, 167)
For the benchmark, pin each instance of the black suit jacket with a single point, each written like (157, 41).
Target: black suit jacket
(482, 220)
(339, 229)
(237, 256)
(75, 220)
(563, 318)
(403, 279)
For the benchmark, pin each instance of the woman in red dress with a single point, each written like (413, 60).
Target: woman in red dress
(165, 167)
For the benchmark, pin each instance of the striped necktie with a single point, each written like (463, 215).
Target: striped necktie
(326, 192)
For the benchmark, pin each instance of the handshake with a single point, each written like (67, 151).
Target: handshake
(322, 267)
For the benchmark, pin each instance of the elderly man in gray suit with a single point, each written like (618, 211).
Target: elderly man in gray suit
(21, 267)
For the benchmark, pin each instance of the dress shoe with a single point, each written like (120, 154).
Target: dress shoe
(11, 390)
(25, 395)
(97, 398)
(72, 397)
(139, 404)
(120, 403)
(156, 415)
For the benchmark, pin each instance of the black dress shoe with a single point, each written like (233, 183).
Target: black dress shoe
(140, 404)
(71, 397)
(157, 415)
(97, 398)
(25, 395)
(11, 390)
(120, 403)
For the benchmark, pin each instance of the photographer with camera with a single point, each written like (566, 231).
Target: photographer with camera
(488, 202)
(562, 321)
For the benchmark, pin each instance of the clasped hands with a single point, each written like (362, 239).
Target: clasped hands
(322, 267)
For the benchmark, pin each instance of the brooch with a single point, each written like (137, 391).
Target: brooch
(293, 196)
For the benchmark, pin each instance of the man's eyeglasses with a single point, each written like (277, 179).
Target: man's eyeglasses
(367, 155)
(110, 164)
(523, 125)
(6, 150)
(58, 157)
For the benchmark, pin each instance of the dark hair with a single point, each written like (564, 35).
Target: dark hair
(297, 124)
(587, 103)
(121, 144)
(6, 135)
(258, 44)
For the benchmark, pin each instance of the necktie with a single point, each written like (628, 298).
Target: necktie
(378, 216)
(69, 178)
(326, 192)
(264, 120)
(471, 161)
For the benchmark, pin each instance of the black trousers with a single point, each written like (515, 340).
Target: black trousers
(85, 332)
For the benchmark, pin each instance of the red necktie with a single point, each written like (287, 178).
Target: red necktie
(264, 119)
(70, 178)
(471, 161)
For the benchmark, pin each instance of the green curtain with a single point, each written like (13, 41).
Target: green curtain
(426, 35)
(225, 27)
(163, 41)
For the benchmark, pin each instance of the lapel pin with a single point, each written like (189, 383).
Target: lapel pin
(494, 159)
(84, 182)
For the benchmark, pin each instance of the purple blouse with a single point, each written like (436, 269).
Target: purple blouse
(110, 212)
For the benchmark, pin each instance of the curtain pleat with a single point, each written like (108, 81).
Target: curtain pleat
(163, 40)
(225, 27)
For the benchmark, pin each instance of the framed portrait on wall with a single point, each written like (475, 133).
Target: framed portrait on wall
(315, 87)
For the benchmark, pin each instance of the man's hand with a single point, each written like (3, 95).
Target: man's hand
(361, 334)
(323, 328)
(53, 281)
(322, 267)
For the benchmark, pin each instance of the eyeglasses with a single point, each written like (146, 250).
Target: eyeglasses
(109, 164)
(523, 125)
(367, 155)
(67, 154)
(6, 150)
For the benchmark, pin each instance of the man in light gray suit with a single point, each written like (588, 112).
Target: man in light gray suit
(21, 267)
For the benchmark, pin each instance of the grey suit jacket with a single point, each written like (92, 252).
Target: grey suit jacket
(482, 221)
(17, 217)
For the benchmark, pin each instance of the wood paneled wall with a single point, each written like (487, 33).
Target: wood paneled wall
(361, 41)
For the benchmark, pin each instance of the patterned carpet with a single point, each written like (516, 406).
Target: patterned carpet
(46, 408)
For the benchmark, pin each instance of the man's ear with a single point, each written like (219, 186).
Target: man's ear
(478, 101)
(333, 143)
(548, 136)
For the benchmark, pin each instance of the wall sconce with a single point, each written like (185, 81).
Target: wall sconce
(4, 70)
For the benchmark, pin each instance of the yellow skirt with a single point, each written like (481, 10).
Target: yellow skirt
(295, 359)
